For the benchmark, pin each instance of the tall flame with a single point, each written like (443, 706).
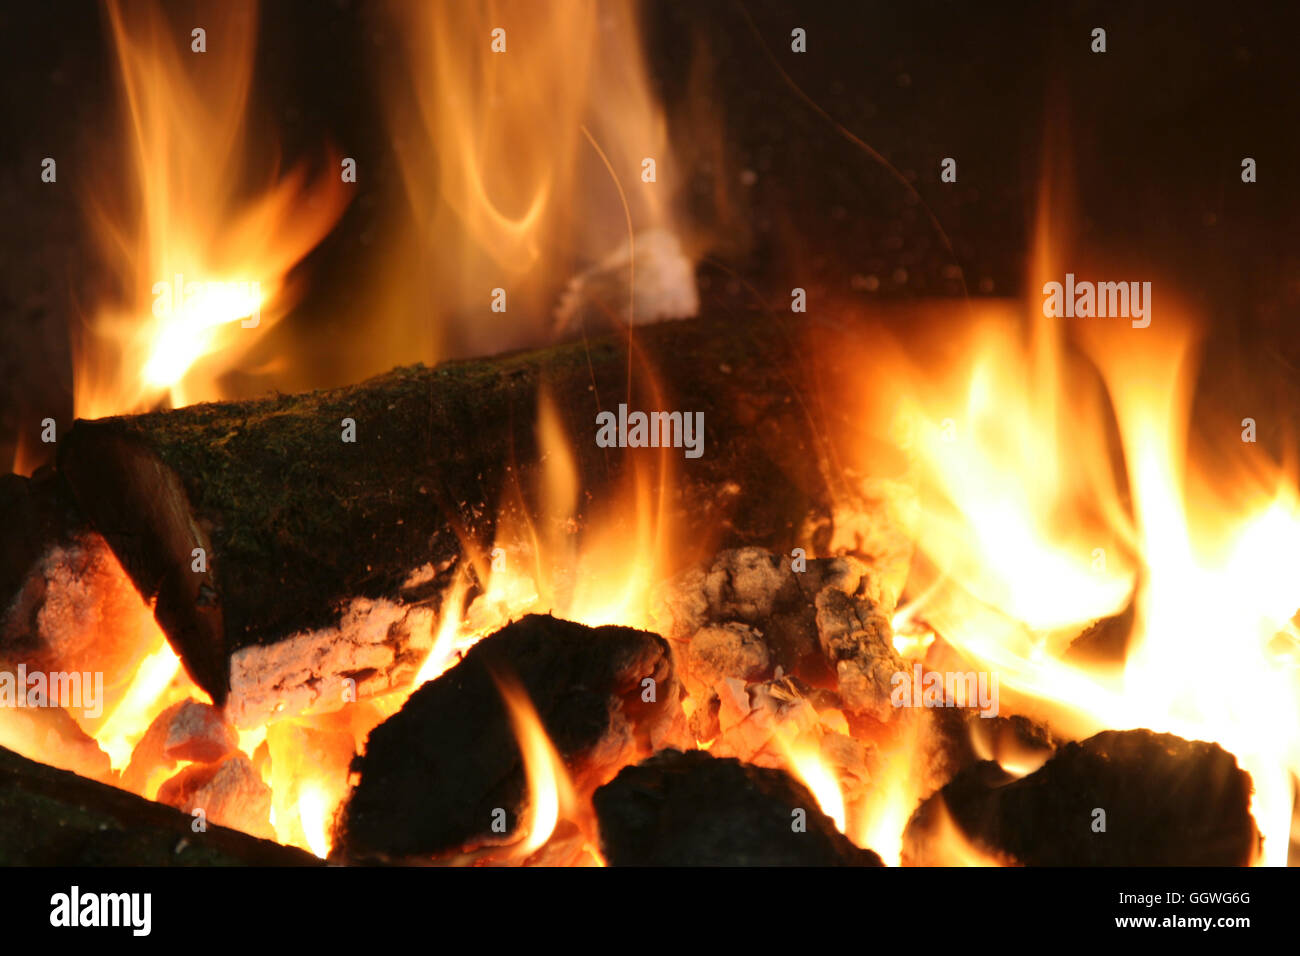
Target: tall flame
(549, 790)
(1033, 538)
(204, 255)
(522, 129)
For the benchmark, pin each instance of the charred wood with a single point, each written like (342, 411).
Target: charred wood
(435, 775)
(693, 809)
(1166, 802)
(51, 817)
(322, 559)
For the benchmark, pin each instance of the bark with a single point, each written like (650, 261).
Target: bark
(323, 557)
(52, 817)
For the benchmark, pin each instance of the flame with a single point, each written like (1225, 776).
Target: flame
(314, 812)
(1024, 450)
(805, 762)
(202, 265)
(894, 794)
(952, 847)
(550, 791)
(145, 698)
(519, 173)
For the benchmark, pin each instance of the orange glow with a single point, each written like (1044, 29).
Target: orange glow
(520, 174)
(203, 270)
(806, 763)
(151, 692)
(1031, 539)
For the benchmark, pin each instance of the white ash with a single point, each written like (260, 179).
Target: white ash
(758, 722)
(722, 651)
(749, 617)
(229, 793)
(751, 715)
(858, 638)
(377, 644)
(875, 521)
(663, 286)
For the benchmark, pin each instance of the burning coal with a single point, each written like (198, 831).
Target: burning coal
(952, 582)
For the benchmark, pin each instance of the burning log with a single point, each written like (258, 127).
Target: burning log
(435, 776)
(287, 560)
(1120, 798)
(52, 817)
(693, 809)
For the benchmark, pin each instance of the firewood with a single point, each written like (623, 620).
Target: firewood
(36, 512)
(1166, 802)
(693, 809)
(321, 559)
(1104, 644)
(51, 817)
(435, 775)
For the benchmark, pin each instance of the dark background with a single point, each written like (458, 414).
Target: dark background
(1153, 131)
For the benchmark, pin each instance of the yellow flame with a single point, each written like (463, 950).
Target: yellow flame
(313, 810)
(548, 781)
(1032, 539)
(142, 702)
(805, 761)
(492, 100)
(202, 268)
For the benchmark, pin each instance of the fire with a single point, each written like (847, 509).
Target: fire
(806, 763)
(144, 700)
(1059, 481)
(894, 794)
(313, 804)
(549, 790)
(520, 174)
(1031, 538)
(203, 256)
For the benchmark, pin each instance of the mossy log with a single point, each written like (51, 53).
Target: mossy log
(311, 543)
(52, 817)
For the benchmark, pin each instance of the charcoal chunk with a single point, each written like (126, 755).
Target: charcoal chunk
(693, 809)
(434, 773)
(1167, 802)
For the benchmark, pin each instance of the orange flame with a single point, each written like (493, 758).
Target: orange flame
(550, 791)
(203, 270)
(1033, 539)
(520, 173)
